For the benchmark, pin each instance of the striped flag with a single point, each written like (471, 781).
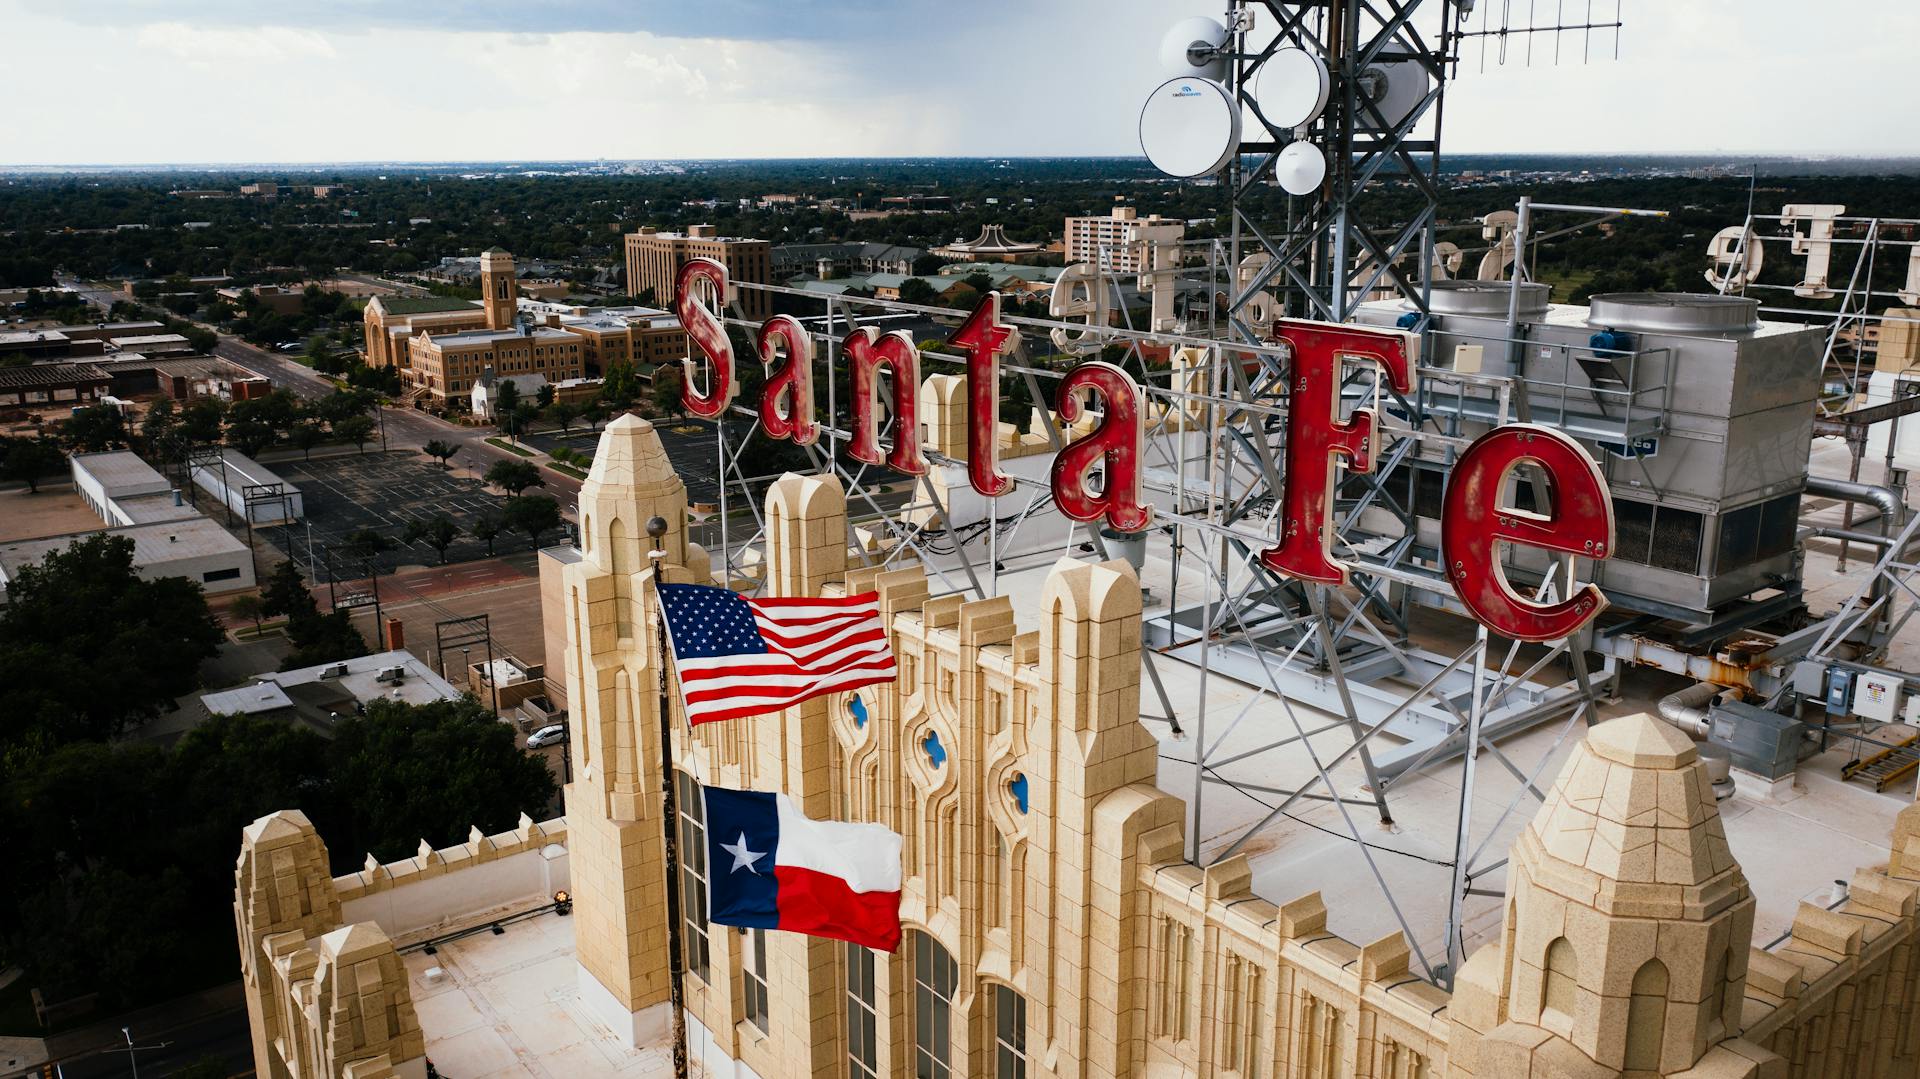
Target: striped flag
(742, 657)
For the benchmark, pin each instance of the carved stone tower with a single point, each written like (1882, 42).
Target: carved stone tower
(613, 803)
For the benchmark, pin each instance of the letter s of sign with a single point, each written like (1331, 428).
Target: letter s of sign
(1116, 444)
(1315, 437)
(708, 333)
(985, 339)
(1578, 520)
(793, 378)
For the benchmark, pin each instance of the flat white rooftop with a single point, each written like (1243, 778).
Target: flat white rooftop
(508, 1007)
(153, 544)
(120, 473)
(418, 685)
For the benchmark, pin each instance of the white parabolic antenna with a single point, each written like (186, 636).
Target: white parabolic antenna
(1300, 168)
(1189, 127)
(1291, 88)
(1187, 35)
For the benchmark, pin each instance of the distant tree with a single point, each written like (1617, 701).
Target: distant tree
(305, 435)
(325, 638)
(521, 417)
(30, 460)
(544, 396)
(344, 404)
(928, 263)
(250, 437)
(161, 420)
(201, 420)
(366, 543)
(286, 593)
(505, 396)
(532, 514)
(250, 607)
(514, 477)
(487, 528)
(441, 450)
(620, 388)
(355, 429)
(666, 391)
(595, 413)
(980, 281)
(138, 648)
(563, 414)
(323, 357)
(915, 290)
(95, 428)
(479, 777)
(438, 532)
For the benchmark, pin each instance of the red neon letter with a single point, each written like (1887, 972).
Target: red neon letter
(1315, 436)
(795, 378)
(708, 334)
(866, 350)
(1578, 519)
(1115, 443)
(984, 339)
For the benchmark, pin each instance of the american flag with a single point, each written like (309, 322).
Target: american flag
(743, 657)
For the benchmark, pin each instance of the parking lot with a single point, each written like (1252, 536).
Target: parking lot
(383, 492)
(689, 445)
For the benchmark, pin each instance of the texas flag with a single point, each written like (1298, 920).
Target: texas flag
(770, 867)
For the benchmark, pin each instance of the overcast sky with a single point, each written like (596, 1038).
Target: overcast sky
(149, 81)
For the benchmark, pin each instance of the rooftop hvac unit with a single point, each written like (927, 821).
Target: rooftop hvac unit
(396, 675)
(334, 670)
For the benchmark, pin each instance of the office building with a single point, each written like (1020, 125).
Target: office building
(654, 259)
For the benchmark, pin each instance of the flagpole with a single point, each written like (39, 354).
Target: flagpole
(669, 804)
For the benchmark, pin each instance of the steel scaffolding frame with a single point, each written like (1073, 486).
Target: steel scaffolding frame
(1215, 473)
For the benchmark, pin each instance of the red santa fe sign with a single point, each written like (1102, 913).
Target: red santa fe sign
(1474, 521)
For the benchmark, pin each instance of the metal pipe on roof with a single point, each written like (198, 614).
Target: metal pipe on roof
(1687, 708)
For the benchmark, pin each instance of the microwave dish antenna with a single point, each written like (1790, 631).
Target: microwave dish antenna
(1189, 127)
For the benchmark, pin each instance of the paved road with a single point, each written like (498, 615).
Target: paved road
(222, 1035)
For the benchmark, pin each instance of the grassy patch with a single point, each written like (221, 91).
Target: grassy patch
(567, 469)
(246, 632)
(509, 447)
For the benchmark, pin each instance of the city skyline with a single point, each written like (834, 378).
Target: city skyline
(745, 79)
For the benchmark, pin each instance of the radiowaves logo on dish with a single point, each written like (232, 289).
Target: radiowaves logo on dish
(1186, 91)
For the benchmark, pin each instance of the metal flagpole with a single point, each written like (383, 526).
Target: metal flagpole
(676, 963)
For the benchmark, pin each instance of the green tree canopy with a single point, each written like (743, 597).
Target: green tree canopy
(66, 677)
(514, 477)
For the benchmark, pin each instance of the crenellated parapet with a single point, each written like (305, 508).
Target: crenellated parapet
(429, 862)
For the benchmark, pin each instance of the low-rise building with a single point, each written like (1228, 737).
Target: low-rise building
(840, 259)
(170, 538)
(1104, 243)
(41, 385)
(644, 337)
(152, 344)
(444, 368)
(279, 299)
(39, 346)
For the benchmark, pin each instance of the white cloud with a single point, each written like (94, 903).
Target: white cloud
(1061, 77)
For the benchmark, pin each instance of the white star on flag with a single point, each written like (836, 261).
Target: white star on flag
(743, 855)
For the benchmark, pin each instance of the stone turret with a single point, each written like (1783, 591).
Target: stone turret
(1628, 925)
(614, 801)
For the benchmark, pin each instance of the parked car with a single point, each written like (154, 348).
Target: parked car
(552, 734)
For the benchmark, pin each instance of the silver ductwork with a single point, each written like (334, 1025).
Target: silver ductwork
(1687, 708)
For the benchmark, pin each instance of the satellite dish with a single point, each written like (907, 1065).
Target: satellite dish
(1300, 168)
(1395, 88)
(1291, 88)
(1189, 127)
(1190, 36)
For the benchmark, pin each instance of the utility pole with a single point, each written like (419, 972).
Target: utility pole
(133, 1051)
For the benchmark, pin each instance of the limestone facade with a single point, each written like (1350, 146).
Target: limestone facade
(1054, 928)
